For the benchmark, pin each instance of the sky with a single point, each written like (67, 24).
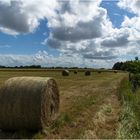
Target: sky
(70, 33)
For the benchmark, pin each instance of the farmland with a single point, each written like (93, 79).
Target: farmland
(89, 106)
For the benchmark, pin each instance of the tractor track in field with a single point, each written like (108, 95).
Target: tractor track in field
(104, 124)
(99, 120)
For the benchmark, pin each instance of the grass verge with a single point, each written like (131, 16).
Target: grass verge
(129, 121)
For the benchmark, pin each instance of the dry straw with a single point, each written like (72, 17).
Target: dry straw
(28, 103)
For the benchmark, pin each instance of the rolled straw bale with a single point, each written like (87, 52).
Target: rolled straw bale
(75, 72)
(28, 103)
(115, 71)
(99, 72)
(87, 73)
(65, 73)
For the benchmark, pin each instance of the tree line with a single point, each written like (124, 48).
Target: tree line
(30, 66)
(132, 66)
(39, 66)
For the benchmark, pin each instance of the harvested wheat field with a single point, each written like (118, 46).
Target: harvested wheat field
(89, 107)
(29, 103)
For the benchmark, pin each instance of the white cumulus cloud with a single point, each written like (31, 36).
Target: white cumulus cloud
(130, 5)
(23, 16)
(80, 30)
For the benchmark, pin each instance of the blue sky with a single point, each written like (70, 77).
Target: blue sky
(25, 44)
(115, 14)
(47, 37)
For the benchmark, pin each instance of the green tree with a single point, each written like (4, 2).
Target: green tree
(136, 58)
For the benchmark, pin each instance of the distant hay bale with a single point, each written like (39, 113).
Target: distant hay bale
(28, 103)
(75, 72)
(99, 72)
(65, 73)
(115, 71)
(87, 73)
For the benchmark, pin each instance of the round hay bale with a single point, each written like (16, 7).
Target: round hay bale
(99, 72)
(65, 73)
(29, 103)
(75, 72)
(87, 73)
(115, 71)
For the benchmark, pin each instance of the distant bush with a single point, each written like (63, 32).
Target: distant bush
(118, 66)
(130, 66)
(135, 81)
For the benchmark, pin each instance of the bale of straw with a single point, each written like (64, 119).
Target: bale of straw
(75, 72)
(115, 71)
(87, 73)
(65, 73)
(30, 103)
(99, 72)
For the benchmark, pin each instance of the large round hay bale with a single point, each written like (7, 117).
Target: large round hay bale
(65, 73)
(75, 72)
(99, 72)
(87, 73)
(115, 71)
(28, 103)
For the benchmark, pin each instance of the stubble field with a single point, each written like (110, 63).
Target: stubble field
(89, 106)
